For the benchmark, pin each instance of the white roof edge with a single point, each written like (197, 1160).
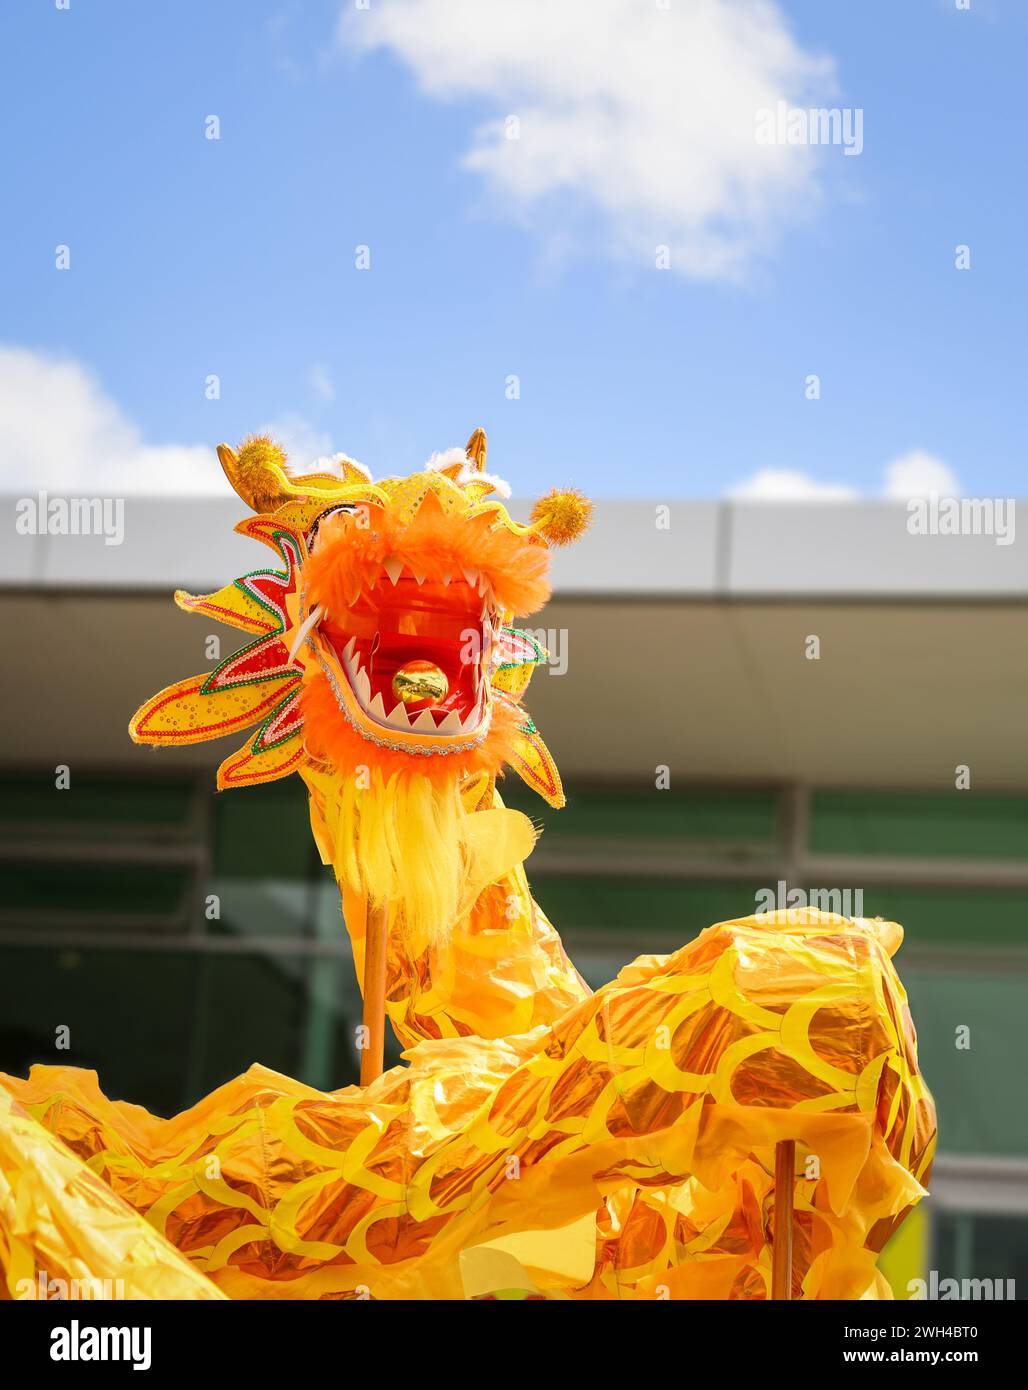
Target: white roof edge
(633, 548)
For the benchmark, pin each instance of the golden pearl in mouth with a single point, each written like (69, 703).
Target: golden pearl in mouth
(420, 680)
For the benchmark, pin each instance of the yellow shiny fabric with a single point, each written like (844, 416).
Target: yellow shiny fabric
(503, 970)
(599, 1146)
(63, 1232)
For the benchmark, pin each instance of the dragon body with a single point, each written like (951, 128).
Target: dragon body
(538, 1136)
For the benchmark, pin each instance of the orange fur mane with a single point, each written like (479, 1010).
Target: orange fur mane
(348, 556)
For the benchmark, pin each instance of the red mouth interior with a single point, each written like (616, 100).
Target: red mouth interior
(394, 624)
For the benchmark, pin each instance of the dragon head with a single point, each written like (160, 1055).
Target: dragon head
(384, 659)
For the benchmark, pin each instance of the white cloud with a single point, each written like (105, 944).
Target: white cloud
(787, 485)
(302, 441)
(637, 123)
(61, 433)
(321, 382)
(913, 474)
(919, 474)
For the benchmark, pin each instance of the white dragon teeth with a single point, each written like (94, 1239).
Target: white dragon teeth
(474, 718)
(398, 716)
(348, 649)
(394, 567)
(425, 722)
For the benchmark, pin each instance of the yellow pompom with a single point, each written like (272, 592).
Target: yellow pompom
(261, 465)
(562, 515)
(258, 453)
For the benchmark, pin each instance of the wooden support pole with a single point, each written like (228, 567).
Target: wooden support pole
(376, 937)
(781, 1238)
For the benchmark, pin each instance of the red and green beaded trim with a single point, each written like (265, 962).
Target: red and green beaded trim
(266, 658)
(520, 649)
(283, 723)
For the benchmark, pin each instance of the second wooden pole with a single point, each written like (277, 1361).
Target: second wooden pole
(781, 1237)
(376, 938)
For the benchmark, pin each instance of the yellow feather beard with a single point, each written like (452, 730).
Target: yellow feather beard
(401, 841)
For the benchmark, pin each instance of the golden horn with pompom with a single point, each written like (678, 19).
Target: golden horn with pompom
(258, 472)
(561, 516)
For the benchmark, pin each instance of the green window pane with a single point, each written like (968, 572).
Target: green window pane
(264, 830)
(265, 907)
(969, 1245)
(101, 896)
(129, 1015)
(971, 1047)
(666, 913)
(705, 820)
(248, 1008)
(32, 805)
(962, 825)
(965, 917)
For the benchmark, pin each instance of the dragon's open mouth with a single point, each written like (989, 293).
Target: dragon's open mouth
(416, 653)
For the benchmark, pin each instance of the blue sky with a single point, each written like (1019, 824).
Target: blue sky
(236, 257)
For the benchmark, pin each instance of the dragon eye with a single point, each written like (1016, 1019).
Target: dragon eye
(347, 507)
